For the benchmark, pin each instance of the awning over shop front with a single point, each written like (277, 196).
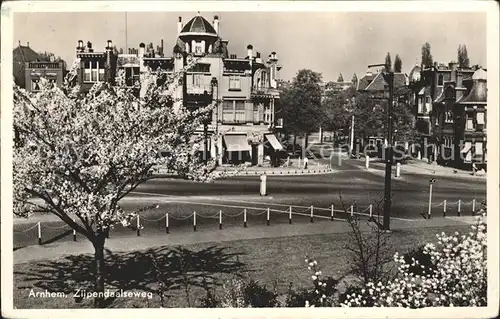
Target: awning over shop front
(236, 143)
(274, 142)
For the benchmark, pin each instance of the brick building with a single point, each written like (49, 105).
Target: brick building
(450, 106)
(245, 86)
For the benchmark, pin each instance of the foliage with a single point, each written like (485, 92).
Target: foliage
(77, 155)
(337, 108)
(459, 277)
(233, 296)
(258, 296)
(398, 64)
(388, 62)
(462, 56)
(421, 258)
(426, 55)
(369, 251)
(340, 78)
(301, 103)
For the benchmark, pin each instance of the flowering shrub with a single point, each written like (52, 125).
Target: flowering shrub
(233, 296)
(458, 277)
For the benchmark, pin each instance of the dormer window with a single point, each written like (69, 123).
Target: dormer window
(449, 93)
(440, 79)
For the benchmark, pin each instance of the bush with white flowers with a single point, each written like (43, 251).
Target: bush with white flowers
(458, 276)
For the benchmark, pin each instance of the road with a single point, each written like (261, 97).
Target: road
(349, 185)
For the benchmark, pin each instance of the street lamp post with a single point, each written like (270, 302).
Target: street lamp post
(389, 78)
(215, 86)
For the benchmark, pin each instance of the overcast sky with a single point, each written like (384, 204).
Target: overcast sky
(326, 42)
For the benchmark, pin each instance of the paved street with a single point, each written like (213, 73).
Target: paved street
(350, 184)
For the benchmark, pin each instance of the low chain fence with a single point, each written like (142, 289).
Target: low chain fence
(246, 213)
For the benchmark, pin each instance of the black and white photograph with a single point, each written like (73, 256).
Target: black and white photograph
(305, 159)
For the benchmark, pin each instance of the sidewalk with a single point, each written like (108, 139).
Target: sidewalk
(421, 167)
(132, 242)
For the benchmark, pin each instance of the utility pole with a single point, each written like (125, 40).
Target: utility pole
(352, 135)
(389, 78)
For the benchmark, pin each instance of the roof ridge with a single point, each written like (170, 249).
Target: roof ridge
(373, 80)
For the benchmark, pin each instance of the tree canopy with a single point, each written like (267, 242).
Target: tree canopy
(398, 64)
(462, 56)
(301, 103)
(388, 62)
(426, 55)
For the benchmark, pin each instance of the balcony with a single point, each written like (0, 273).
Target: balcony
(44, 65)
(265, 92)
(198, 89)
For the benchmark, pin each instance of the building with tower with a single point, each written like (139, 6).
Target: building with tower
(243, 124)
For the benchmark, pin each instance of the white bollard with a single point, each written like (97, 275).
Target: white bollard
(290, 215)
(220, 219)
(444, 208)
(331, 213)
(419, 155)
(352, 210)
(371, 210)
(74, 232)
(166, 223)
(263, 181)
(245, 217)
(473, 206)
(194, 221)
(367, 161)
(39, 234)
(138, 226)
(312, 214)
(398, 169)
(268, 216)
(459, 207)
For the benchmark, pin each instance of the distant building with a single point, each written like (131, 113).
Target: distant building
(450, 105)
(20, 56)
(247, 86)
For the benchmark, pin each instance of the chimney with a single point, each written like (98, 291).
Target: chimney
(250, 51)
(273, 56)
(80, 47)
(142, 49)
(179, 25)
(109, 45)
(28, 44)
(216, 24)
(89, 46)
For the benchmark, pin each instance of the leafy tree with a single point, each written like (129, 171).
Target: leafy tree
(337, 109)
(301, 104)
(426, 55)
(462, 56)
(388, 62)
(398, 64)
(354, 79)
(77, 155)
(340, 78)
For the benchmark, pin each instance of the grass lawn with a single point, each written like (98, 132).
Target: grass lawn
(272, 261)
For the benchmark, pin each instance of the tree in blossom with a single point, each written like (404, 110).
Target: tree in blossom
(77, 155)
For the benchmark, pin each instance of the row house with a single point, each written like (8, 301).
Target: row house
(450, 107)
(374, 84)
(243, 124)
(29, 67)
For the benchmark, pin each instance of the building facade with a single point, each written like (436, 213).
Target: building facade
(450, 107)
(243, 124)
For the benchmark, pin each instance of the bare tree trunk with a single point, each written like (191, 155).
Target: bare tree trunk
(99, 269)
(294, 142)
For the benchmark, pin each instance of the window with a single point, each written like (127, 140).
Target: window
(448, 117)
(469, 123)
(233, 111)
(479, 148)
(449, 93)
(440, 80)
(197, 80)
(240, 111)
(35, 85)
(480, 118)
(201, 68)
(93, 72)
(234, 83)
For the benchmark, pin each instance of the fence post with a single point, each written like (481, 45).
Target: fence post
(371, 210)
(220, 219)
(352, 210)
(74, 232)
(473, 207)
(138, 226)
(444, 208)
(459, 208)
(268, 216)
(312, 214)
(331, 213)
(290, 215)
(194, 221)
(430, 202)
(166, 223)
(39, 234)
(245, 217)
